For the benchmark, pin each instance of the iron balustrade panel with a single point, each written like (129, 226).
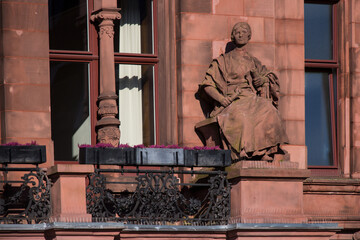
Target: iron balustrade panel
(160, 198)
(26, 200)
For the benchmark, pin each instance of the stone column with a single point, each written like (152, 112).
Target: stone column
(108, 126)
(68, 192)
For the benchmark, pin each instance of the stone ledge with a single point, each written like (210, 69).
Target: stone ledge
(270, 173)
(70, 169)
(134, 227)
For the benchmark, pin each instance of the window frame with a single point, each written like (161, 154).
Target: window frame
(92, 58)
(332, 66)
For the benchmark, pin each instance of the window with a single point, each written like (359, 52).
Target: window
(74, 73)
(321, 67)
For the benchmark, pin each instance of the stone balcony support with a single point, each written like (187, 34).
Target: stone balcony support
(265, 193)
(68, 192)
(108, 125)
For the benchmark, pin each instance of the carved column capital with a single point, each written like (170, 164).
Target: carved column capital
(105, 14)
(105, 18)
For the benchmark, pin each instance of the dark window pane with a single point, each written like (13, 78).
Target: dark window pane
(134, 32)
(318, 31)
(135, 85)
(70, 114)
(68, 25)
(318, 118)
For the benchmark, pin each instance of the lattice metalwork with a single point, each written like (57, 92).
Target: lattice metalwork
(26, 200)
(160, 198)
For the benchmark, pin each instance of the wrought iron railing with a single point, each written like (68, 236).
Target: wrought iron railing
(158, 196)
(25, 199)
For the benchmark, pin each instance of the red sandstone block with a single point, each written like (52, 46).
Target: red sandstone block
(27, 124)
(196, 52)
(355, 13)
(289, 9)
(340, 202)
(289, 31)
(357, 33)
(257, 29)
(263, 52)
(355, 85)
(24, 70)
(25, 16)
(355, 59)
(192, 76)
(27, 97)
(188, 134)
(292, 107)
(292, 82)
(355, 109)
(261, 8)
(198, 6)
(228, 7)
(295, 131)
(355, 127)
(289, 56)
(269, 26)
(355, 155)
(219, 47)
(203, 26)
(190, 105)
(27, 44)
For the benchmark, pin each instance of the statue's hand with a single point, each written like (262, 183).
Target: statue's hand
(225, 101)
(258, 82)
(254, 73)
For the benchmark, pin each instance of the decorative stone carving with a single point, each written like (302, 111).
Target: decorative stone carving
(243, 97)
(356, 236)
(108, 125)
(109, 134)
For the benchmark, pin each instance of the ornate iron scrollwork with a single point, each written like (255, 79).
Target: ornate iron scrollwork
(29, 202)
(158, 199)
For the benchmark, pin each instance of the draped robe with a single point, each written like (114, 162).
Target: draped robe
(251, 124)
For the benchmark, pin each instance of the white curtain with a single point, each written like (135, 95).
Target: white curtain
(130, 90)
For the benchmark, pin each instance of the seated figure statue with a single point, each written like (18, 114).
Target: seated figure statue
(244, 97)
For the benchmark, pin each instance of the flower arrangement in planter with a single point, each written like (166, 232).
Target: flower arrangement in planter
(154, 155)
(207, 157)
(106, 154)
(17, 153)
(159, 155)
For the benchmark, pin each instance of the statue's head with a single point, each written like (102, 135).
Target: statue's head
(244, 30)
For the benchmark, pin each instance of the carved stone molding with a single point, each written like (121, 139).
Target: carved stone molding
(106, 14)
(108, 30)
(109, 134)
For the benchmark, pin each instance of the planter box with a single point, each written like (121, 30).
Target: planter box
(159, 157)
(207, 158)
(107, 156)
(23, 154)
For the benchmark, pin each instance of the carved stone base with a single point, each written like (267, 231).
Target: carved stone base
(267, 193)
(108, 126)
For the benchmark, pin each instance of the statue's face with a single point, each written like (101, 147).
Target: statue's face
(241, 36)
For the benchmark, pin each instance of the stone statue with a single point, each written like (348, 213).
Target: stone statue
(244, 97)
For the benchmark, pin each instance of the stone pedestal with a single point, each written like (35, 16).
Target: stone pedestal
(68, 193)
(267, 193)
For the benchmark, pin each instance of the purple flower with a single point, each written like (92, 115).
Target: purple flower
(32, 143)
(124, 146)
